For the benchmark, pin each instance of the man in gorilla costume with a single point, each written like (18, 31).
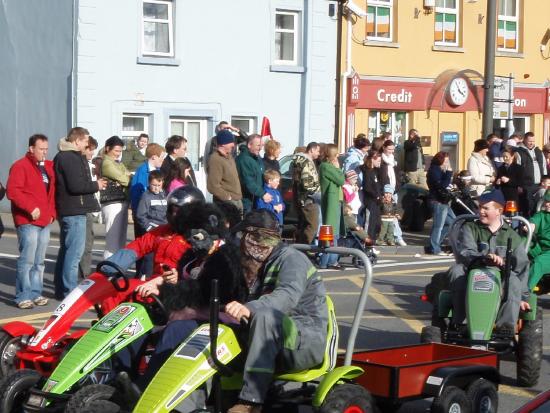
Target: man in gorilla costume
(204, 228)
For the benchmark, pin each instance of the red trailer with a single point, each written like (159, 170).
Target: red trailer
(447, 372)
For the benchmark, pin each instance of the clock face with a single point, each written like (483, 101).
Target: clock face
(457, 93)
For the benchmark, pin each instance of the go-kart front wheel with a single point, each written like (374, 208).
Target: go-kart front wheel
(88, 395)
(529, 351)
(102, 406)
(452, 400)
(14, 389)
(9, 345)
(348, 398)
(430, 334)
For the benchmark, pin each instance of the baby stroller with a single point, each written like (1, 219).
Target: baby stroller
(350, 240)
(462, 198)
(416, 207)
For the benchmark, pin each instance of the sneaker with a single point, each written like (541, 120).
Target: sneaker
(390, 243)
(40, 301)
(442, 254)
(25, 305)
(401, 242)
(245, 408)
(375, 251)
(336, 267)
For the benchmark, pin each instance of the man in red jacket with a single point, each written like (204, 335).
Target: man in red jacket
(30, 188)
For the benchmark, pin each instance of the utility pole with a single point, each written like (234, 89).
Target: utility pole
(489, 75)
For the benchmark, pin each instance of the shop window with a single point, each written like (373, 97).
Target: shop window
(245, 123)
(385, 121)
(134, 124)
(446, 22)
(522, 124)
(379, 20)
(508, 25)
(157, 28)
(287, 37)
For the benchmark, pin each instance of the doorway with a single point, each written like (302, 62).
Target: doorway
(194, 130)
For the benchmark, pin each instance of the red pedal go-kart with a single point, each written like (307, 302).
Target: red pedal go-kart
(23, 346)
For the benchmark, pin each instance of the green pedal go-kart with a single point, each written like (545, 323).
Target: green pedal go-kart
(486, 290)
(79, 377)
(179, 382)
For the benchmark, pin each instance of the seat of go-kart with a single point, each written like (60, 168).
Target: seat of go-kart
(329, 359)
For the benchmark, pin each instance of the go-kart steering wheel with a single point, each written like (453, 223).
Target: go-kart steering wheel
(119, 273)
(157, 309)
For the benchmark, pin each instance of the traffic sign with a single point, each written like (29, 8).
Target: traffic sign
(504, 88)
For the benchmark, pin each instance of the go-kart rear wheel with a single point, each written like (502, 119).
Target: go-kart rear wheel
(88, 394)
(14, 389)
(9, 345)
(430, 334)
(348, 398)
(101, 406)
(452, 400)
(483, 396)
(529, 351)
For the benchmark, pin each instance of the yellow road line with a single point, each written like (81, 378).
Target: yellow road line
(30, 317)
(516, 391)
(415, 271)
(398, 312)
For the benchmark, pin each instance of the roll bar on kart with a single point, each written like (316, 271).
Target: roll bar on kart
(361, 303)
(459, 221)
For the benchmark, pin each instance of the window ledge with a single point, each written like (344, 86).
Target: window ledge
(378, 43)
(516, 55)
(452, 49)
(287, 69)
(160, 61)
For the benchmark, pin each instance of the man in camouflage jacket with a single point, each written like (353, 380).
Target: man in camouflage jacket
(306, 187)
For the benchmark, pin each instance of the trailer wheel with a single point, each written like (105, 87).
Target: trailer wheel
(8, 347)
(430, 334)
(529, 351)
(452, 400)
(87, 395)
(348, 398)
(101, 406)
(14, 389)
(483, 396)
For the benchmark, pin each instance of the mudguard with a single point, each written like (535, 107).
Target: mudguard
(445, 303)
(122, 326)
(18, 328)
(186, 369)
(331, 378)
(530, 315)
(460, 376)
(483, 297)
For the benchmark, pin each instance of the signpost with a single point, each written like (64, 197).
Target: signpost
(503, 100)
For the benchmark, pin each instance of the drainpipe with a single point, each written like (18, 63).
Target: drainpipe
(344, 85)
(74, 64)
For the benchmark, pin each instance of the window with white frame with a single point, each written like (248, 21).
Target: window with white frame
(245, 123)
(134, 124)
(157, 28)
(446, 22)
(379, 20)
(508, 25)
(287, 37)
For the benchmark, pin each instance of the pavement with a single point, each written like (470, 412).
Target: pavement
(394, 315)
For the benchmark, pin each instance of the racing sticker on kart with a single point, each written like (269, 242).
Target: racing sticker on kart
(61, 309)
(196, 344)
(482, 283)
(107, 323)
(129, 333)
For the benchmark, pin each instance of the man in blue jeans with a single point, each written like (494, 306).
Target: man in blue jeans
(30, 188)
(74, 198)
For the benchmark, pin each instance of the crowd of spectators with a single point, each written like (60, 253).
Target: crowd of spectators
(355, 193)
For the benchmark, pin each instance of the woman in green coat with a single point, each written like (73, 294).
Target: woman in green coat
(331, 179)
(115, 212)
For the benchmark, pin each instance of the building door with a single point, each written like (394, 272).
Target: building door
(194, 130)
(387, 121)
